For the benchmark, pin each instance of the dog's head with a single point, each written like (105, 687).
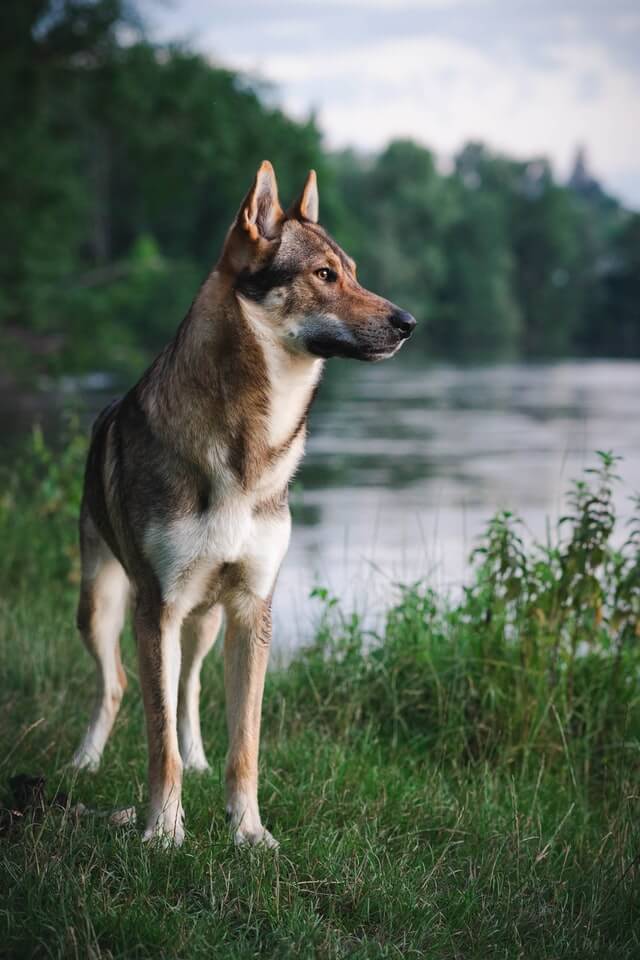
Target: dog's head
(294, 279)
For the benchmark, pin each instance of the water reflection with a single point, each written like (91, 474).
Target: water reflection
(406, 463)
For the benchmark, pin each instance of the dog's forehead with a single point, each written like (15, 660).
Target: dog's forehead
(301, 240)
(305, 241)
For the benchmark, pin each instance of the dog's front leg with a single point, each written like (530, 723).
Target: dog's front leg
(246, 651)
(157, 630)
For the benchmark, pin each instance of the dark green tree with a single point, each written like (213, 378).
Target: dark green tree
(403, 207)
(479, 314)
(614, 320)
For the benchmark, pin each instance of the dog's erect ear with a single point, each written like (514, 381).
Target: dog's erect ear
(261, 215)
(307, 205)
(258, 223)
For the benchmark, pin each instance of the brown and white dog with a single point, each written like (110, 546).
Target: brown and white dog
(185, 497)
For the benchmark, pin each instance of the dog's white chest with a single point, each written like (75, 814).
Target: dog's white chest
(177, 547)
(184, 552)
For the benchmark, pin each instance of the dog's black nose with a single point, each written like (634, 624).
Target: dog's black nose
(403, 322)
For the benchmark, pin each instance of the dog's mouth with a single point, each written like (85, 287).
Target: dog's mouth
(347, 347)
(332, 350)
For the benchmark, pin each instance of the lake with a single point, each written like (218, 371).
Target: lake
(405, 464)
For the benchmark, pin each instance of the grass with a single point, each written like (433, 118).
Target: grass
(464, 785)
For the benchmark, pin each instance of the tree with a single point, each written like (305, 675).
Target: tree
(615, 318)
(479, 314)
(112, 143)
(403, 206)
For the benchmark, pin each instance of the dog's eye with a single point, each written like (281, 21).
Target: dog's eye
(325, 273)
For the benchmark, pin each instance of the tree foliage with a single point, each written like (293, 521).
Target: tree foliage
(123, 163)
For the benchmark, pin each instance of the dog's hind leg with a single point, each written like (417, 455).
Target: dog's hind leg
(198, 636)
(101, 613)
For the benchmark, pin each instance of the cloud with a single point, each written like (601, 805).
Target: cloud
(526, 78)
(443, 92)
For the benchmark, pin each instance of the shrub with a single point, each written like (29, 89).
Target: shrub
(540, 656)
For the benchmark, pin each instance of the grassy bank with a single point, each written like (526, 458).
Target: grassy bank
(463, 785)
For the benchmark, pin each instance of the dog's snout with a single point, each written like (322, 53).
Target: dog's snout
(403, 322)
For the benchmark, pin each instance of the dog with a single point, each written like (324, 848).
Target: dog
(185, 508)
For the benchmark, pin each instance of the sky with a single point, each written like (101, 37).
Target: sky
(527, 77)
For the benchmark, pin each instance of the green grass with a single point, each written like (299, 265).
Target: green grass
(464, 785)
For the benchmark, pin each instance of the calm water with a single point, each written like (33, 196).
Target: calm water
(405, 464)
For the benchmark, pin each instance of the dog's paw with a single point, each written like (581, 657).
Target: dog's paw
(196, 763)
(244, 818)
(255, 838)
(84, 759)
(166, 829)
(161, 839)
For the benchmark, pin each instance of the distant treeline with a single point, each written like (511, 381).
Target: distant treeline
(123, 162)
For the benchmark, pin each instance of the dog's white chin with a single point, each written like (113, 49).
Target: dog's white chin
(376, 357)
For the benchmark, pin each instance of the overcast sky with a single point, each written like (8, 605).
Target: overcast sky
(528, 77)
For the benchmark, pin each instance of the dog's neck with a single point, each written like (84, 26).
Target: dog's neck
(292, 376)
(226, 378)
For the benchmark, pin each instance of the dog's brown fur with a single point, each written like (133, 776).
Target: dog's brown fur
(185, 499)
